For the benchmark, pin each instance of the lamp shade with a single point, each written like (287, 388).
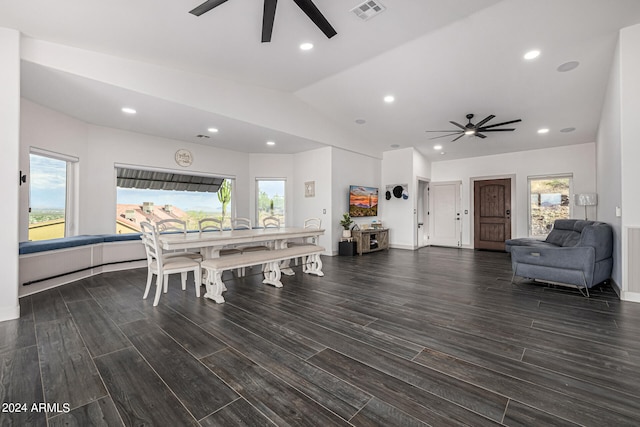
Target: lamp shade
(586, 199)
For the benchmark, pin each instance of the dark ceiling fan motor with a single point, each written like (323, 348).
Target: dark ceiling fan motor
(475, 129)
(269, 15)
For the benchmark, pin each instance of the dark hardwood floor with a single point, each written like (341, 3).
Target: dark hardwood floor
(435, 337)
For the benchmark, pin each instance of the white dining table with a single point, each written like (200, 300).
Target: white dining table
(211, 242)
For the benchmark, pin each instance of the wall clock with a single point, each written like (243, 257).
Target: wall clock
(184, 157)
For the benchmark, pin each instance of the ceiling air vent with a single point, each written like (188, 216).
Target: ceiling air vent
(368, 9)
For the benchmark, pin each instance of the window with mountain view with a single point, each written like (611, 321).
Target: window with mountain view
(549, 200)
(153, 196)
(270, 199)
(48, 196)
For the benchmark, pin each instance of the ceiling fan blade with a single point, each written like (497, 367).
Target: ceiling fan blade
(206, 7)
(268, 16)
(486, 119)
(479, 135)
(450, 130)
(442, 136)
(454, 140)
(459, 125)
(495, 130)
(503, 123)
(316, 16)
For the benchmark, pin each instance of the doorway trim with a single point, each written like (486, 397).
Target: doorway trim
(514, 202)
(423, 184)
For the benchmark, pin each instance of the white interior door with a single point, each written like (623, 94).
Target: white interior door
(422, 214)
(445, 223)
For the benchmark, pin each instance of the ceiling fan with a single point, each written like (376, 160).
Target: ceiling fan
(475, 130)
(269, 15)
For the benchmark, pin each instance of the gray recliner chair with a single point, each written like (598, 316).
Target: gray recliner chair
(576, 252)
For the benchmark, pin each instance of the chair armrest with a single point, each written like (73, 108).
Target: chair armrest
(574, 258)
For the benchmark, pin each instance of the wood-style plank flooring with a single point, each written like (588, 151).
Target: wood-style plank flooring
(437, 336)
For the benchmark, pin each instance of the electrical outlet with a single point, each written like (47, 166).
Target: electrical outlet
(324, 211)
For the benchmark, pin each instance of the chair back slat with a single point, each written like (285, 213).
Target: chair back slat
(171, 225)
(271, 222)
(150, 240)
(210, 224)
(241, 223)
(312, 223)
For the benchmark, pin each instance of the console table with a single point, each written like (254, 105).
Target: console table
(371, 240)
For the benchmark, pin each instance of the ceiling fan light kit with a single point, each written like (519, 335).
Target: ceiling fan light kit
(477, 129)
(269, 14)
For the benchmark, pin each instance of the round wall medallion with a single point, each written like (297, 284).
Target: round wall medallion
(184, 157)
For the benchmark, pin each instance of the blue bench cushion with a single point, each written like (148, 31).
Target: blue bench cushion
(70, 242)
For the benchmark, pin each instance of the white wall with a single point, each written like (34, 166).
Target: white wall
(348, 168)
(9, 169)
(398, 214)
(314, 166)
(100, 148)
(49, 130)
(630, 148)
(576, 159)
(609, 162)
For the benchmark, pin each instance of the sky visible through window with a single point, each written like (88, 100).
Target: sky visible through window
(48, 182)
(187, 200)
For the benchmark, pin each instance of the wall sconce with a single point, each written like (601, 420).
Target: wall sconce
(586, 199)
(22, 178)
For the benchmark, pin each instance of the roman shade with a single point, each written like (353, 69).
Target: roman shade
(155, 180)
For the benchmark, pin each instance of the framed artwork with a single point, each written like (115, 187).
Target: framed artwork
(310, 189)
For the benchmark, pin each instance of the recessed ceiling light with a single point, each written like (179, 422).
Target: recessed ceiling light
(442, 153)
(567, 130)
(271, 143)
(361, 121)
(128, 110)
(532, 54)
(543, 130)
(394, 146)
(213, 130)
(389, 99)
(568, 66)
(306, 46)
(437, 147)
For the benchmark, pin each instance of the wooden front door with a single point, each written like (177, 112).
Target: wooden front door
(492, 213)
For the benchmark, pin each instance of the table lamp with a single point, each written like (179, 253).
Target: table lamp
(586, 199)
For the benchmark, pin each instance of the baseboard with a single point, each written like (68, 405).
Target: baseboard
(9, 313)
(630, 296)
(407, 247)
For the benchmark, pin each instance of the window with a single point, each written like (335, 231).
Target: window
(270, 199)
(151, 195)
(549, 200)
(50, 195)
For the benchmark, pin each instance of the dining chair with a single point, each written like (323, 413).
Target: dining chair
(174, 225)
(245, 224)
(162, 268)
(309, 224)
(215, 224)
(271, 222)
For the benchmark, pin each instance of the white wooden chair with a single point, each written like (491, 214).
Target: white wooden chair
(245, 224)
(311, 224)
(174, 225)
(215, 224)
(271, 222)
(162, 268)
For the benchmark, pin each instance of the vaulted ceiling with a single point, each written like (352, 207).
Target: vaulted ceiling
(440, 59)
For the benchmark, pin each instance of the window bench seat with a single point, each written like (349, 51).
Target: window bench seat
(45, 264)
